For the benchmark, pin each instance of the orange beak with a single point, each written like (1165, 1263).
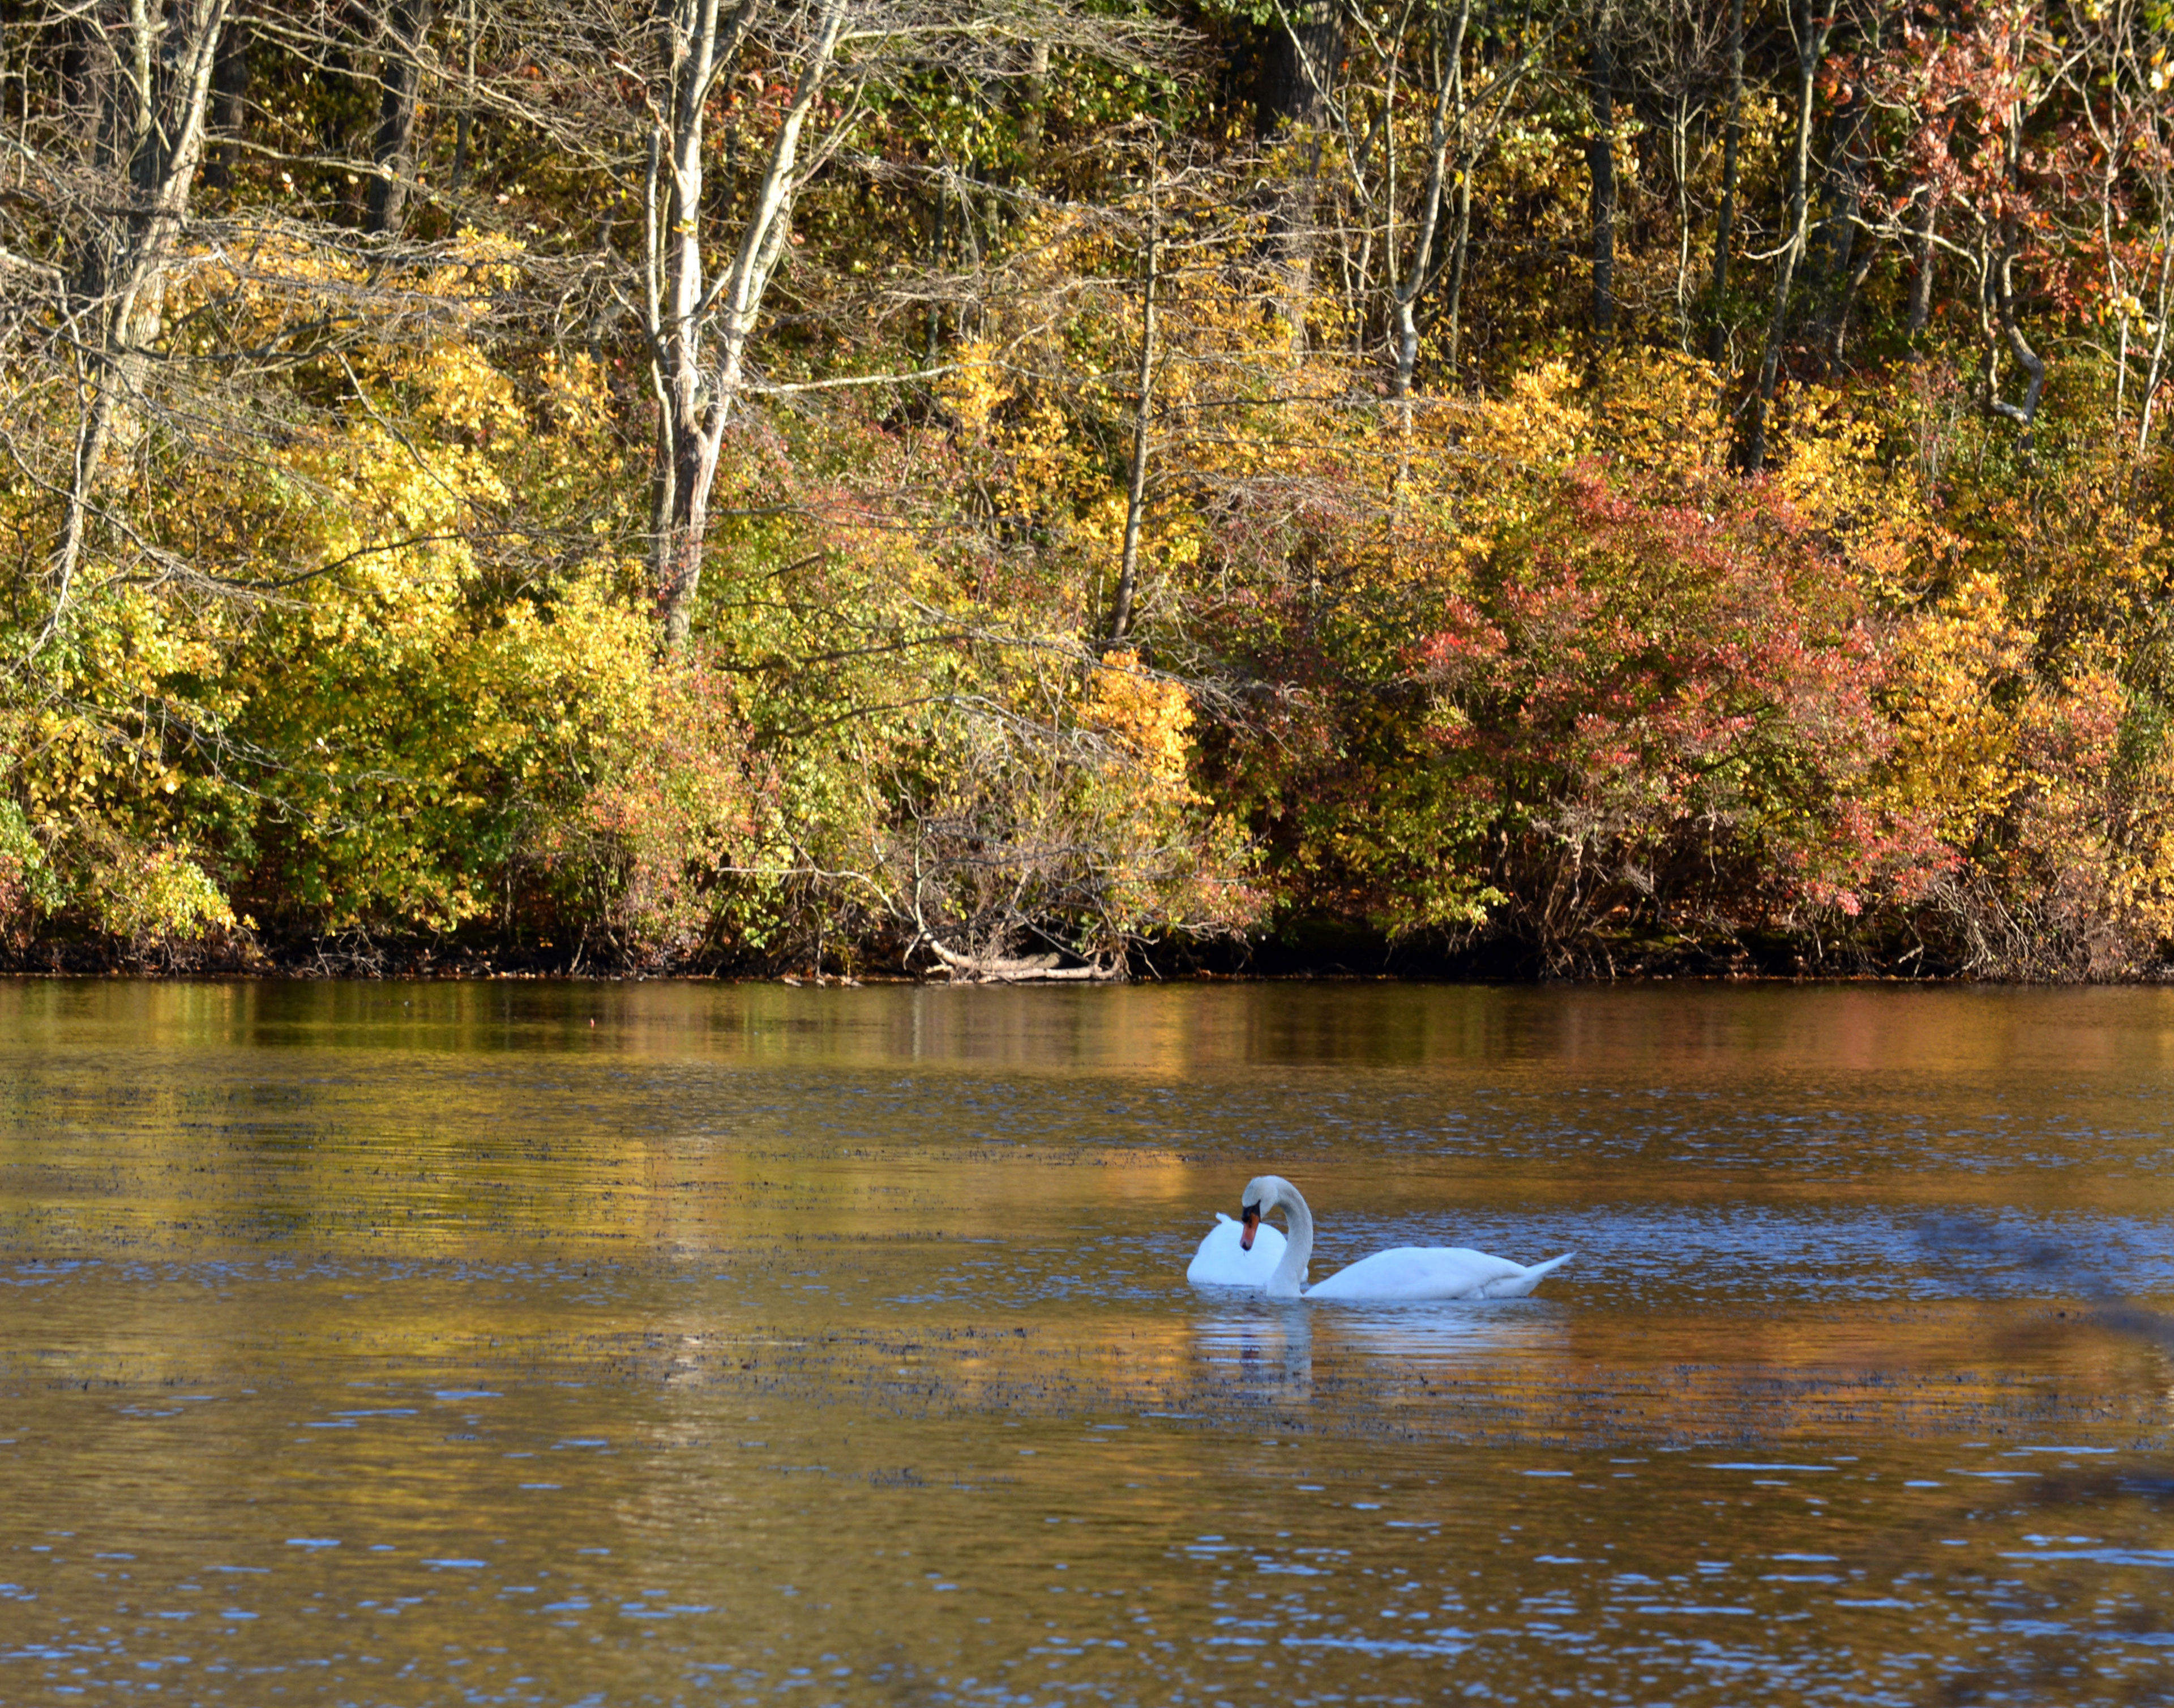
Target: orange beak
(1251, 1215)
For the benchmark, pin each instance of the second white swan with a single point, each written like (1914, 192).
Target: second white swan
(1408, 1272)
(1228, 1257)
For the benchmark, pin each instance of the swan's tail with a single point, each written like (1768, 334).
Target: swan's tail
(1517, 1286)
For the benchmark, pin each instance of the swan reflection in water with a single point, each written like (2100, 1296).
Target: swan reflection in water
(1455, 1333)
(1267, 1347)
(1263, 1345)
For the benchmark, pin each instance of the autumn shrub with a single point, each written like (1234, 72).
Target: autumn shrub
(1660, 707)
(2028, 697)
(414, 666)
(964, 777)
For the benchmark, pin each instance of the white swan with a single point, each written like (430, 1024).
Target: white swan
(1408, 1272)
(1226, 1259)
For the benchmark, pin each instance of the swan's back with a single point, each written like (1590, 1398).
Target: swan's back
(1433, 1272)
(1220, 1262)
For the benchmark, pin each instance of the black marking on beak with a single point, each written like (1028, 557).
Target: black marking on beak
(1250, 1214)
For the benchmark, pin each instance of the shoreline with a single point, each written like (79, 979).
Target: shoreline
(473, 974)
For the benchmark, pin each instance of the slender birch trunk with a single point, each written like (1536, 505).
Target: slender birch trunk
(1680, 161)
(700, 329)
(2156, 374)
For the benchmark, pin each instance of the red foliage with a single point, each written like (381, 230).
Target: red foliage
(1636, 674)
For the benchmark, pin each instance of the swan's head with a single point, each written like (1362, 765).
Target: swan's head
(1263, 1193)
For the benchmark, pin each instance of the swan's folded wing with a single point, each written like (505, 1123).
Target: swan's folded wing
(1220, 1262)
(1421, 1271)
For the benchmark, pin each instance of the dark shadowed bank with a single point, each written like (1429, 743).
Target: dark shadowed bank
(1301, 950)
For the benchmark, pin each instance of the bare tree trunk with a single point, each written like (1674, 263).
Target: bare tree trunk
(1033, 113)
(1679, 166)
(1811, 44)
(2002, 291)
(1300, 68)
(1600, 159)
(158, 85)
(1997, 304)
(1469, 136)
(79, 70)
(1724, 233)
(2157, 373)
(464, 126)
(691, 425)
(1301, 73)
(399, 78)
(1460, 248)
(229, 89)
(1405, 291)
(1844, 197)
(1838, 332)
(1924, 255)
(1128, 566)
(699, 336)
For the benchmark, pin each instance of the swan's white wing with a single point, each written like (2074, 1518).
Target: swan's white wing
(1430, 1271)
(1218, 1263)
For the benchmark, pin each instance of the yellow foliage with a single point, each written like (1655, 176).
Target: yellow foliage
(1659, 415)
(1830, 470)
(1826, 463)
(1951, 681)
(2141, 881)
(154, 893)
(1153, 718)
(973, 389)
(1539, 425)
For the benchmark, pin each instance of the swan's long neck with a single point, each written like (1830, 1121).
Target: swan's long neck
(1290, 1279)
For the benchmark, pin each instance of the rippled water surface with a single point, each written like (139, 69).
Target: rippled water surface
(535, 1344)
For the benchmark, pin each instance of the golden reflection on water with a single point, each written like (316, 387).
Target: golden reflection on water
(424, 1342)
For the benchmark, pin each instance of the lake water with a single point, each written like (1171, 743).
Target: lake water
(576, 1343)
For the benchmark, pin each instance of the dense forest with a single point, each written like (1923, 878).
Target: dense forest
(994, 488)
